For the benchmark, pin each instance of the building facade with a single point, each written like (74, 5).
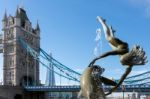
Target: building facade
(19, 67)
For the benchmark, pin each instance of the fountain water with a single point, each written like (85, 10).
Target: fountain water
(98, 40)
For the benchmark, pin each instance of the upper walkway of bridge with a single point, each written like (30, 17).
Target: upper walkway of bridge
(76, 88)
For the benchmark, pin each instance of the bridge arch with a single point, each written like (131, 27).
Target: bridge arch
(26, 81)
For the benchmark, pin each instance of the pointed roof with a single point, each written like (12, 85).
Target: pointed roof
(21, 13)
(17, 13)
(37, 26)
(5, 16)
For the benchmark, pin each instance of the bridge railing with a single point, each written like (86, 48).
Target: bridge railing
(77, 88)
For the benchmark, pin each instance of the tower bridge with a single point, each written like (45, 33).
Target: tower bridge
(20, 45)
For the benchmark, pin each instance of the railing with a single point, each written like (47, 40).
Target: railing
(77, 88)
(53, 88)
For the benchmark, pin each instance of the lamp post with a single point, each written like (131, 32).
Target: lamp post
(123, 90)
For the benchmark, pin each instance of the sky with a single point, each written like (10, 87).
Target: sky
(68, 30)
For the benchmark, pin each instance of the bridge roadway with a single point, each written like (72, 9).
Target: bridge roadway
(76, 88)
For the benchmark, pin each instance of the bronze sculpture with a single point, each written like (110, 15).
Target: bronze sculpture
(91, 83)
(129, 58)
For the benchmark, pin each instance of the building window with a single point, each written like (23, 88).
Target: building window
(10, 49)
(10, 62)
(10, 34)
(11, 21)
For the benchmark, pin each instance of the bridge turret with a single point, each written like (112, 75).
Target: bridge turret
(4, 20)
(17, 18)
(37, 29)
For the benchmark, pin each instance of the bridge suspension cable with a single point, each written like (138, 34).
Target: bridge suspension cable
(140, 79)
(57, 62)
(66, 72)
(138, 76)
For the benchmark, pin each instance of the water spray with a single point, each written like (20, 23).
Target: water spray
(98, 40)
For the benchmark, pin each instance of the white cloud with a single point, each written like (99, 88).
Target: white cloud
(145, 4)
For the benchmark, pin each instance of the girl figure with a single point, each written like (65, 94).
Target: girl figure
(129, 58)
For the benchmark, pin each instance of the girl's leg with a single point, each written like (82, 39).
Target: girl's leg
(107, 30)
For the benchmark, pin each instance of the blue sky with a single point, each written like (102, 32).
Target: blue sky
(68, 29)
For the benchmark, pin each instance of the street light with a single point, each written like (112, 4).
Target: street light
(123, 90)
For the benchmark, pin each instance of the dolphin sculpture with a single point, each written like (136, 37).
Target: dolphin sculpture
(91, 83)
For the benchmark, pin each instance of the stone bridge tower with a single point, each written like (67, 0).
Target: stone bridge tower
(19, 67)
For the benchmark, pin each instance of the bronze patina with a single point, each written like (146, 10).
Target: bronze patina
(91, 83)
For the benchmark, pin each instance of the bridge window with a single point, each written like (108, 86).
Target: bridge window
(10, 34)
(10, 49)
(10, 61)
(10, 77)
(11, 21)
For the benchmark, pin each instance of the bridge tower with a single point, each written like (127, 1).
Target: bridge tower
(19, 67)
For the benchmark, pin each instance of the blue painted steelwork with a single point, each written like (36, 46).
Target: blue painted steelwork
(53, 88)
(140, 79)
(128, 88)
(57, 62)
(139, 75)
(64, 69)
(66, 72)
